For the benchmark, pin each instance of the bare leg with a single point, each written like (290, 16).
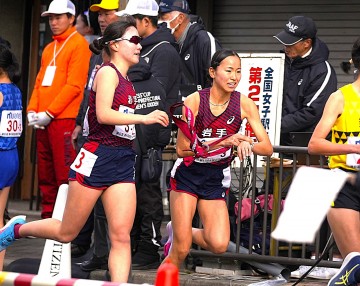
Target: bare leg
(120, 204)
(215, 235)
(182, 208)
(80, 202)
(4, 194)
(345, 225)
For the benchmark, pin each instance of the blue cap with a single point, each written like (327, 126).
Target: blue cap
(166, 6)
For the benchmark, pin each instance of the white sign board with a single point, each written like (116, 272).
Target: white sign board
(262, 77)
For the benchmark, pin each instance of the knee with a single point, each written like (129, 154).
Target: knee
(181, 252)
(218, 246)
(120, 237)
(65, 237)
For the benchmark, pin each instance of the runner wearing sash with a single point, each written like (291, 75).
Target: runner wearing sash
(208, 135)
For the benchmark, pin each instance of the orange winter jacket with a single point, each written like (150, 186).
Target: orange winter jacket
(62, 99)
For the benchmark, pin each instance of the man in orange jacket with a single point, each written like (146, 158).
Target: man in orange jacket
(56, 99)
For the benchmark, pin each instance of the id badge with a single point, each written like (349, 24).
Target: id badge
(49, 76)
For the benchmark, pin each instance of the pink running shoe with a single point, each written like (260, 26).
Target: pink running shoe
(167, 245)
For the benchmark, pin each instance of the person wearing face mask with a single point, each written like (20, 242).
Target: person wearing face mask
(196, 45)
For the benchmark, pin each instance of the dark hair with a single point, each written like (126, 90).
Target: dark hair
(90, 20)
(345, 66)
(113, 31)
(9, 64)
(4, 42)
(220, 55)
(153, 19)
(355, 54)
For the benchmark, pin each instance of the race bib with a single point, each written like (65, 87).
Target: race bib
(353, 159)
(125, 131)
(213, 158)
(49, 76)
(84, 162)
(11, 123)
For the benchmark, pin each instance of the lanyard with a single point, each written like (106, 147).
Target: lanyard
(63, 45)
(199, 148)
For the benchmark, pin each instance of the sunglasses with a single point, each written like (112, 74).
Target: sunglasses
(134, 40)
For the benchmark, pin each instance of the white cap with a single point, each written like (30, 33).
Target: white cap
(142, 7)
(60, 7)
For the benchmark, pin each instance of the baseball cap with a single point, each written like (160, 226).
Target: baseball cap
(166, 6)
(60, 7)
(142, 7)
(105, 4)
(297, 29)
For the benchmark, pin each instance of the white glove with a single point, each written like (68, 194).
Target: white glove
(42, 119)
(31, 117)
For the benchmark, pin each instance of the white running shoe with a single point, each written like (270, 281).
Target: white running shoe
(317, 273)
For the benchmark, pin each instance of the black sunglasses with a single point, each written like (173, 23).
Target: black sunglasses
(134, 40)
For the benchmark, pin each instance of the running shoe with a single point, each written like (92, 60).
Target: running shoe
(7, 235)
(168, 243)
(346, 275)
(317, 273)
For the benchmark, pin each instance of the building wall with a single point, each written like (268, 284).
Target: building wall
(249, 25)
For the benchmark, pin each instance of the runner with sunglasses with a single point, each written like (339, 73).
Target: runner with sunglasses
(105, 165)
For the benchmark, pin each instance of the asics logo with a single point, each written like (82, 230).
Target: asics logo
(230, 120)
(344, 280)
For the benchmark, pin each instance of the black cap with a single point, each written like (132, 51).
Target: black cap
(297, 29)
(166, 6)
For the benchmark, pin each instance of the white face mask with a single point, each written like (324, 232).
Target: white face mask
(168, 25)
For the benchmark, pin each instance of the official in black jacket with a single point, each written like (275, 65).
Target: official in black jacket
(196, 45)
(309, 78)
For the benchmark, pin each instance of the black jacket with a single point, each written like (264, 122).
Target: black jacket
(196, 53)
(308, 83)
(150, 95)
(164, 66)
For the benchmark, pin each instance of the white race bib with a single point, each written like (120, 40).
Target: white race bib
(213, 158)
(353, 159)
(84, 162)
(125, 131)
(49, 76)
(11, 123)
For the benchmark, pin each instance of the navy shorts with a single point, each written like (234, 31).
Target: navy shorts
(348, 197)
(9, 167)
(201, 180)
(111, 166)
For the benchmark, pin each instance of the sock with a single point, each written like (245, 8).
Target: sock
(16, 230)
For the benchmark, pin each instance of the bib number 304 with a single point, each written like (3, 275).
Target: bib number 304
(11, 123)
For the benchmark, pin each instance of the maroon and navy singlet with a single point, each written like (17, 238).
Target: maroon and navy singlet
(124, 101)
(209, 178)
(107, 157)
